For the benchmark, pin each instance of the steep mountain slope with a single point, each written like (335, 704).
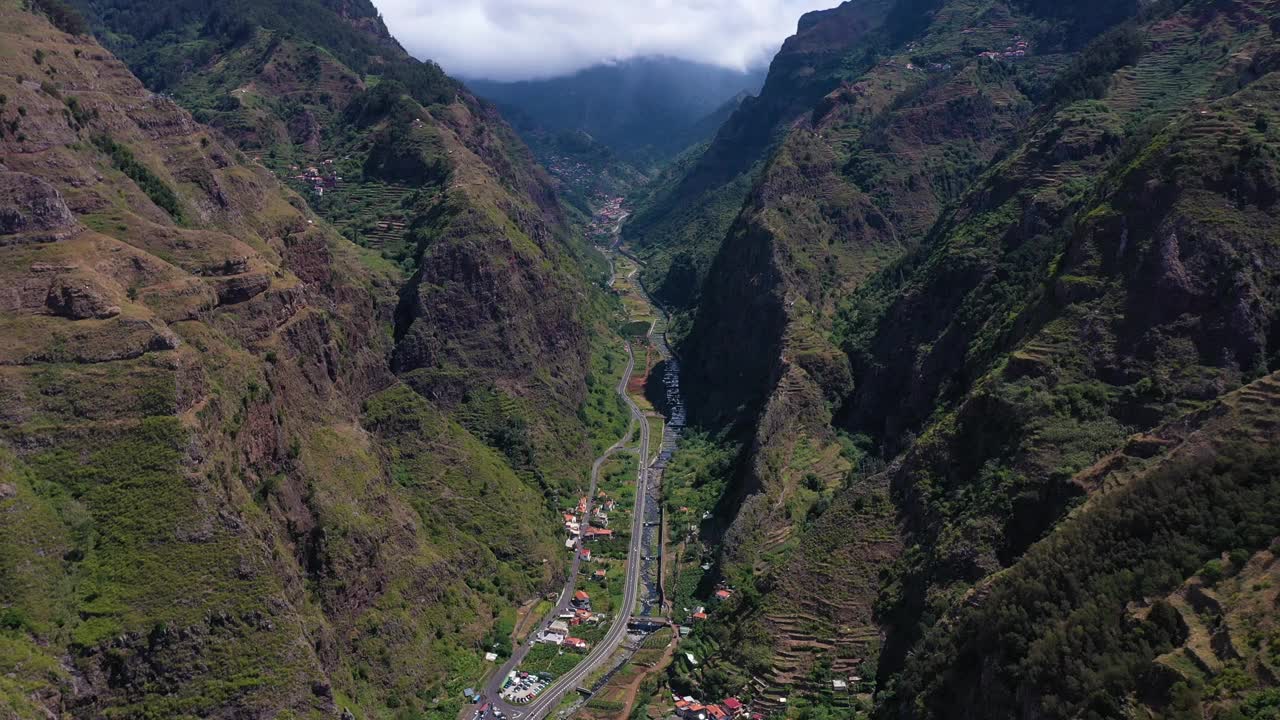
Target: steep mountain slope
(997, 257)
(677, 228)
(216, 498)
(497, 320)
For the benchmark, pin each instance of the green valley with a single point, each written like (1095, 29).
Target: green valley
(933, 374)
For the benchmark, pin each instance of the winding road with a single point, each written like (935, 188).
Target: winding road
(550, 697)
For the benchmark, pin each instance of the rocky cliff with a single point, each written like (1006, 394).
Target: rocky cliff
(496, 321)
(217, 499)
(1002, 253)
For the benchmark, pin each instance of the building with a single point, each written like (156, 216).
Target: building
(559, 627)
(586, 555)
(694, 711)
(575, 643)
(581, 599)
(595, 533)
(552, 638)
(699, 615)
(715, 712)
(600, 574)
(723, 594)
(733, 706)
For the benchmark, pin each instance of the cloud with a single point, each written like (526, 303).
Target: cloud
(522, 39)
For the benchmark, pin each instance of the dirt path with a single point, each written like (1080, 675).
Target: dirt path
(633, 687)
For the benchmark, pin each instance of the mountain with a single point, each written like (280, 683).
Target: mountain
(681, 217)
(980, 302)
(646, 109)
(249, 468)
(405, 160)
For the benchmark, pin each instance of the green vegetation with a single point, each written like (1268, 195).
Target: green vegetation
(167, 46)
(550, 659)
(1057, 622)
(604, 414)
(157, 189)
(63, 16)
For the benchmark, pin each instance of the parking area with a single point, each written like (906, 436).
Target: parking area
(521, 688)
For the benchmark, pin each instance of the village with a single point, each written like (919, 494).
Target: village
(1017, 49)
(318, 178)
(609, 213)
(598, 529)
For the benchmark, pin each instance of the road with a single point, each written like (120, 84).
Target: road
(551, 696)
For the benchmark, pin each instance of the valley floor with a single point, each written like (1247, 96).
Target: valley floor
(611, 603)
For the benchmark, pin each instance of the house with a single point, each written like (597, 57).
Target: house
(570, 518)
(699, 615)
(582, 504)
(839, 685)
(717, 713)
(552, 638)
(581, 599)
(575, 643)
(723, 594)
(600, 574)
(733, 706)
(595, 533)
(573, 528)
(559, 627)
(586, 555)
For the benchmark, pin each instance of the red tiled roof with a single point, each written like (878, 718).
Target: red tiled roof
(733, 703)
(580, 595)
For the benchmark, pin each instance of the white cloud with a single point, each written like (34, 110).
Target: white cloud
(521, 39)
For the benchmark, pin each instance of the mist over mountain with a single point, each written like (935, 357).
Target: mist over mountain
(650, 107)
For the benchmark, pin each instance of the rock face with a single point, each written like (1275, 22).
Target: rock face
(690, 210)
(32, 208)
(79, 301)
(216, 497)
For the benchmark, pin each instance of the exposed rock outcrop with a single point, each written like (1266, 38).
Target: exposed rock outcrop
(32, 209)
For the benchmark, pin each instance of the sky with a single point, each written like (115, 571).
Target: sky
(525, 39)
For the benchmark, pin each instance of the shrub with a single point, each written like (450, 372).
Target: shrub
(1212, 571)
(151, 184)
(63, 16)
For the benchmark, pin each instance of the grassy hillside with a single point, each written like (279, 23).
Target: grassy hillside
(501, 308)
(216, 498)
(969, 279)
